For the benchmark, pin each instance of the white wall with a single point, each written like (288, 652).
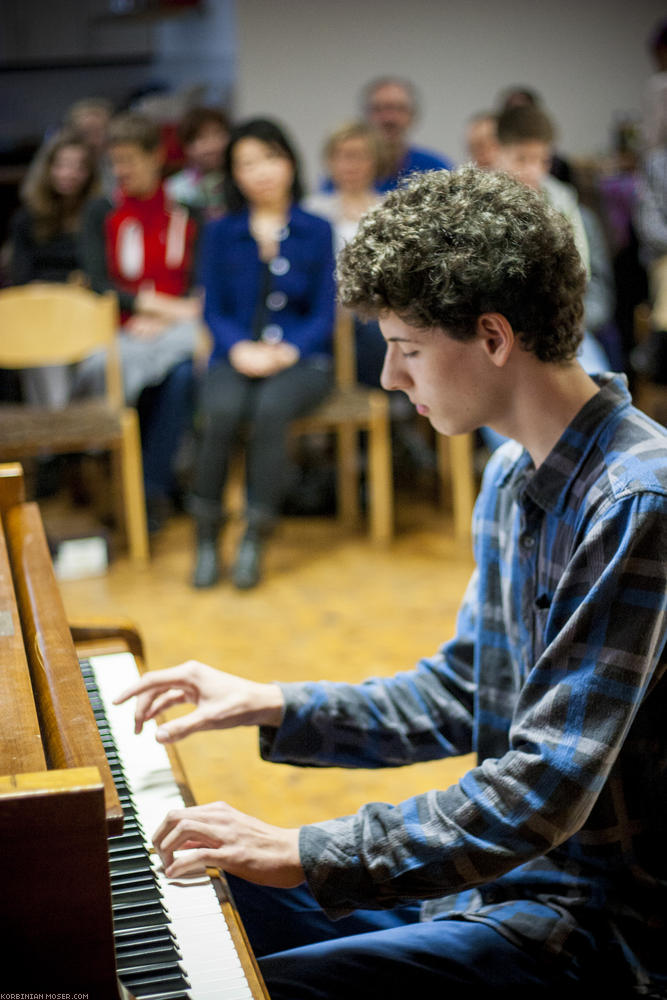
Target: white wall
(304, 61)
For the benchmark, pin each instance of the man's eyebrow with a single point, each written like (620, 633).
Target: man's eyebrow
(400, 340)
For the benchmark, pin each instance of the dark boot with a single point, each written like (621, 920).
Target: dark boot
(208, 523)
(247, 571)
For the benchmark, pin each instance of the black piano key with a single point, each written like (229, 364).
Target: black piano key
(150, 938)
(160, 961)
(129, 921)
(171, 995)
(155, 984)
(121, 880)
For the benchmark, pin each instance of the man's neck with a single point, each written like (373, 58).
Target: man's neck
(545, 398)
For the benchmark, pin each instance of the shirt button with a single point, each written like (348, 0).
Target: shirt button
(279, 265)
(272, 334)
(528, 541)
(276, 301)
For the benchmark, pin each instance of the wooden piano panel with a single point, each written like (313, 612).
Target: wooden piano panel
(69, 730)
(20, 738)
(55, 905)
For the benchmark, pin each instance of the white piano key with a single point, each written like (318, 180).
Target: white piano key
(209, 956)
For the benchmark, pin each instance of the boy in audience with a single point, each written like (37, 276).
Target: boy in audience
(482, 140)
(142, 247)
(525, 147)
(204, 133)
(541, 872)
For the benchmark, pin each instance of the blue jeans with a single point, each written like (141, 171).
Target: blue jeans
(385, 953)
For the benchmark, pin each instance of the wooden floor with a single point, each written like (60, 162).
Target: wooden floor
(331, 606)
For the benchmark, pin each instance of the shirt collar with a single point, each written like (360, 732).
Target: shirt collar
(549, 486)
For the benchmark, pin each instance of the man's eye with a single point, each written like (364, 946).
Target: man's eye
(409, 354)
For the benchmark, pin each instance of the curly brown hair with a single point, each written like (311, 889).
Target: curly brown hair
(447, 246)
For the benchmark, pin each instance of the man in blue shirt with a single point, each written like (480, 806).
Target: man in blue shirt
(390, 105)
(543, 869)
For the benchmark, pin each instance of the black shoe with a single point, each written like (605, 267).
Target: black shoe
(208, 568)
(247, 568)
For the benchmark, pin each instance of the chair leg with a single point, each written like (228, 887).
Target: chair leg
(348, 475)
(134, 501)
(380, 482)
(457, 454)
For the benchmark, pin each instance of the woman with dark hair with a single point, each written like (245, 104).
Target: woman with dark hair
(267, 270)
(44, 236)
(44, 230)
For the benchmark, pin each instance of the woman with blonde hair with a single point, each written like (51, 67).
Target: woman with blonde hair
(353, 155)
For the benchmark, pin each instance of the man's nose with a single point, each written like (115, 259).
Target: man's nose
(392, 376)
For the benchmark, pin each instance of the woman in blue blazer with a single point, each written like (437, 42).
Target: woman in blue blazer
(267, 270)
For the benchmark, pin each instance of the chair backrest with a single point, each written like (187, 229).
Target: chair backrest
(345, 353)
(53, 324)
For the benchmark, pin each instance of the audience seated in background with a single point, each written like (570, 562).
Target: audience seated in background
(390, 105)
(203, 132)
(525, 97)
(481, 139)
(267, 273)
(617, 194)
(525, 142)
(352, 155)
(654, 112)
(600, 294)
(143, 246)
(90, 116)
(650, 359)
(526, 137)
(44, 238)
(267, 269)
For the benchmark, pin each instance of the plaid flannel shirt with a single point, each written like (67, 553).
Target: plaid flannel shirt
(556, 679)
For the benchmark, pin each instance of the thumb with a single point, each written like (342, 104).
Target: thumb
(176, 729)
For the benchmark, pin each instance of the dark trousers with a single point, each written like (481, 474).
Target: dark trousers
(304, 955)
(165, 411)
(259, 411)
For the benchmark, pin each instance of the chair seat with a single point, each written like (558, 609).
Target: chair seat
(28, 430)
(349, 405)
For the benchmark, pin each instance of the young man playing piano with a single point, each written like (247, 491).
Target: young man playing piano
(543, 869)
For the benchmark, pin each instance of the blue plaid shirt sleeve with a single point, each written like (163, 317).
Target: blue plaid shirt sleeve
(419, 715)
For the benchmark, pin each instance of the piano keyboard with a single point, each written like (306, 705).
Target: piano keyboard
(172, 939)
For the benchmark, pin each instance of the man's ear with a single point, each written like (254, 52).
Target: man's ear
(496, 336)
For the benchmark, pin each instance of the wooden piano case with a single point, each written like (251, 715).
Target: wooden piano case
(58, 801)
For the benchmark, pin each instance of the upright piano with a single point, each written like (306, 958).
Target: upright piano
(84, 906)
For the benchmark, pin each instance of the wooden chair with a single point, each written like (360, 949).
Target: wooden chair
(648, 396)
(457, 473)
(50, 324)
(353, 407)
(349, 409)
